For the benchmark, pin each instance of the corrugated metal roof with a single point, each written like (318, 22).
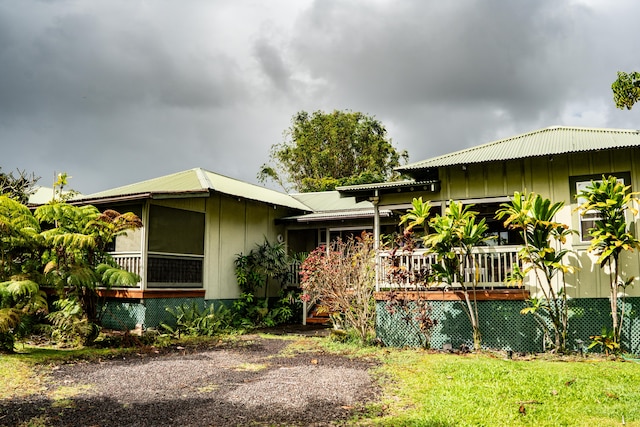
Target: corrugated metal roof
(418, 185)
(335, 215)
(325, 201)
(198, 181)
(543, 142)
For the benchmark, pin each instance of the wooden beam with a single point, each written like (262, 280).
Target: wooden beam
(151, 293)
(454, 295)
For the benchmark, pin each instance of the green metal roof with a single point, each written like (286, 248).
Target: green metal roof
(543, 142)
(195, 183)
(326, 201)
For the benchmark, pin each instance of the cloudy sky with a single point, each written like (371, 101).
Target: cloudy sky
(118, 91)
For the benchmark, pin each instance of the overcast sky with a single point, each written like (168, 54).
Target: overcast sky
(118, 91)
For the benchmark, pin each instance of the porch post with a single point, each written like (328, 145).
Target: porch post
(376, 234)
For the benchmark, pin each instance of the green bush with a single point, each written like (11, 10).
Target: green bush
(191, 320)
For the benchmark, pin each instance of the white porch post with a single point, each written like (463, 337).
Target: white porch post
(376, 235)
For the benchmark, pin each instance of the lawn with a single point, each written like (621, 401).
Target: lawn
(430, 389)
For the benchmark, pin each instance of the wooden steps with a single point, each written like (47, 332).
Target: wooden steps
(318, 316)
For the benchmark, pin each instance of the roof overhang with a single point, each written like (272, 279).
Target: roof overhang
(372, 191)
(336, 215)
(140, 196)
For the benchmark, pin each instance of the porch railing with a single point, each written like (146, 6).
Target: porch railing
(130, 261)
(491, 266)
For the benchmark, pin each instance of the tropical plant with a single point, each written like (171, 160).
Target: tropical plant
(76, 257)
(610, 200)
(607, 341)
(342, 279)
(70, 325)
(454, 236)
(533, 216)
(19, 299)
(20, 294)
(191, 320)
(266, 262)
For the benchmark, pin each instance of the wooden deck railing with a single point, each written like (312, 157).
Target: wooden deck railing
(491, 265)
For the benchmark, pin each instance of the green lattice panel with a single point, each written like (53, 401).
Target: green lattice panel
(503, 327)
(122, 315)
(157, 309)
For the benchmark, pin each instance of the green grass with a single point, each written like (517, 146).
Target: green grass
(426, 389)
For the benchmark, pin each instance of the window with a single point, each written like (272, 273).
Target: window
(587, 220)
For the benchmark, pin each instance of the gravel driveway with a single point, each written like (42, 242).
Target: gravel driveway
(252, 382)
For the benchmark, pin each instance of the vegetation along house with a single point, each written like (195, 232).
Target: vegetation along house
(555, 162)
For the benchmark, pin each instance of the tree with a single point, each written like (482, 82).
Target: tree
(19, 186)
(324, 150)
(20, 294)
(610, 199)
(75, 251)
(532, 216)
(626, 89)
(455, 235)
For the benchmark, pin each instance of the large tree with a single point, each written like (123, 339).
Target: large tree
(626, 89)
(324, 150)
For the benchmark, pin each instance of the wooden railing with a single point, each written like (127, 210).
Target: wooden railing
(491, 266)
(130, 261)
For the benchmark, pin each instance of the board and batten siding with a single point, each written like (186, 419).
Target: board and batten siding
(234, 226)
(549, 177)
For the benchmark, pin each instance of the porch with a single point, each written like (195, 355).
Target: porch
(162, 275)
(492, 266)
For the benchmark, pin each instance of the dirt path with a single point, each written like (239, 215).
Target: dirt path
(250, 383)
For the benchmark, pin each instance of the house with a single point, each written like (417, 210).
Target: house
(555, 162)
(195, 223)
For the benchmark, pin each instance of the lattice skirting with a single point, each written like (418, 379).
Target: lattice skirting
(502, 326)
(149, 313)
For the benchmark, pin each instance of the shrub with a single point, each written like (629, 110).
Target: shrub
(342, 278)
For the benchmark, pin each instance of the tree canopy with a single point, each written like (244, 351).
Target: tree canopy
(626, 89)
(322, 150)
(18, 187)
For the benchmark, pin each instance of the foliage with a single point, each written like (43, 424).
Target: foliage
(254, 271)
(454, 236)
(266, 261)
(70, 325)
(533, 216)
(75, 255)
(18, 187)
(191, 320)
(324, 150)
(611, 200)
(607, 341)
(626, 89)
(20, 295)
(417, 216)
(342, 278)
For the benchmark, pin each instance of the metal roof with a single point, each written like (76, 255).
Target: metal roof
(542, 142)
(195, 183)
(408, 183)
(324, 201)
(338, 215)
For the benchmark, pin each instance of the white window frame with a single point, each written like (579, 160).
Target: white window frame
(587, 220)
